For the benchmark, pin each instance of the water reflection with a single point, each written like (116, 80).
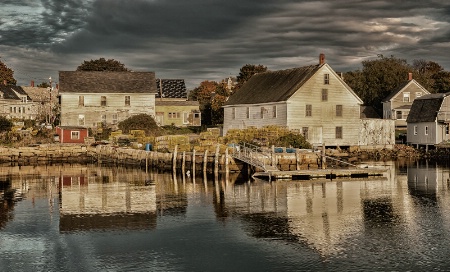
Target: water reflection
(399, 218)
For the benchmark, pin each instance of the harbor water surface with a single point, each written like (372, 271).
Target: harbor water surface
(97, 218)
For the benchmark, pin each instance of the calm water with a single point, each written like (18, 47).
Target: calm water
(89, 218)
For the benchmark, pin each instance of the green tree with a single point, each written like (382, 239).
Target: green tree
(102, 64)
(140, 122)
(6, 74)
(246, 72)
(294, 140)
(378, 79)
(5, 124)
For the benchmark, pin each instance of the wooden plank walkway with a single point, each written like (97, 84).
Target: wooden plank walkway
(320, 174)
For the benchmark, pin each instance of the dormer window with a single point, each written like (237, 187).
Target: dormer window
(406, 97)
(326, 79)
(24, 99)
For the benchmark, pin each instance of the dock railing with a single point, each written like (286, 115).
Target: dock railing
(253, 155)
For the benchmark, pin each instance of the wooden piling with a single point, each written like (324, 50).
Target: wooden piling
(205, 160)
(174, 159)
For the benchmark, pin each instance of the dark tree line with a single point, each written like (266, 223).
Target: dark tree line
(379, 77)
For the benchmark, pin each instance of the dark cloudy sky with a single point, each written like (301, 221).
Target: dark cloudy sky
(200, 40)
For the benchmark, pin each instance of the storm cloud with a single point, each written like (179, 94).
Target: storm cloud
(200, 40)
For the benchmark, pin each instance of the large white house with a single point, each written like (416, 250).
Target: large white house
(312, 99)
(90, 99)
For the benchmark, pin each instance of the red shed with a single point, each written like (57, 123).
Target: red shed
(72, 134)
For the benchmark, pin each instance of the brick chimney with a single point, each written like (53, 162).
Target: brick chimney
(409, 76)
(321, 58)
(32, 83)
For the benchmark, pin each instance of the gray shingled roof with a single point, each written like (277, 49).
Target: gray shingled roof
(425, 108)
(171, 88)
(273, 86)
(8, 92)
(106, 82)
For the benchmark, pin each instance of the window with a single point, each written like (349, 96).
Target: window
(81, 100)
(338, 132)
(262, 112)
(398, 115)
(114, 118)
(415, 130)
(406, 97)
(326, 79)
(339, 110)
(274, 112)
(174, 115)
(447, 129)
(24, 99)
(75, 135)
(104, 119)
(248, 112)
(418, 94)
(233, 113)
(305, 132)
(426, 130)
(308, 110)
(127, 100)
(196, 115)
(81, 119)
(103, 101)
(324, 94)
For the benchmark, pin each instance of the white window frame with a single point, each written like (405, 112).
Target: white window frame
(406, 97)
(75, 135)
(81, 120)
(326, 79)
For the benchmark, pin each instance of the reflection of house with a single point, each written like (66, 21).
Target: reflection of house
(15, 103)
(72, 134)
(172, 107)
(312, 99)
(98, 202)
(93, 98)
(428, 120)
(396, 105)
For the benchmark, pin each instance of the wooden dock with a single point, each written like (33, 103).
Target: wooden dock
(320, 174)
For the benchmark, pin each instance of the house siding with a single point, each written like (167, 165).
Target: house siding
(163, 119)
(397, 101)
(421, 138)
(140, 103)
(323, 121)
(255, 120)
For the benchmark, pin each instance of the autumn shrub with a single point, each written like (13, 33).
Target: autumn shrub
(140, 122)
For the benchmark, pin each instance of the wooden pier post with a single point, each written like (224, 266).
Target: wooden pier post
(183, 163)
(216, 161)
(323, 156)
(205, 161)
(193, 163)
(174, 159)
(227, 167)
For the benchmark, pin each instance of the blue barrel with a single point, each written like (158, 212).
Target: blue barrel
(148, 147)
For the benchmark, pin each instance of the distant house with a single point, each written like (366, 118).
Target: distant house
(72, 134)
(428, 121)
(46, 100)
(172, 106)
(397, 104)
(313, 100)
(90, 99)
(15, 103)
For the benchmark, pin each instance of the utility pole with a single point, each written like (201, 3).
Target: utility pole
(50, 104)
